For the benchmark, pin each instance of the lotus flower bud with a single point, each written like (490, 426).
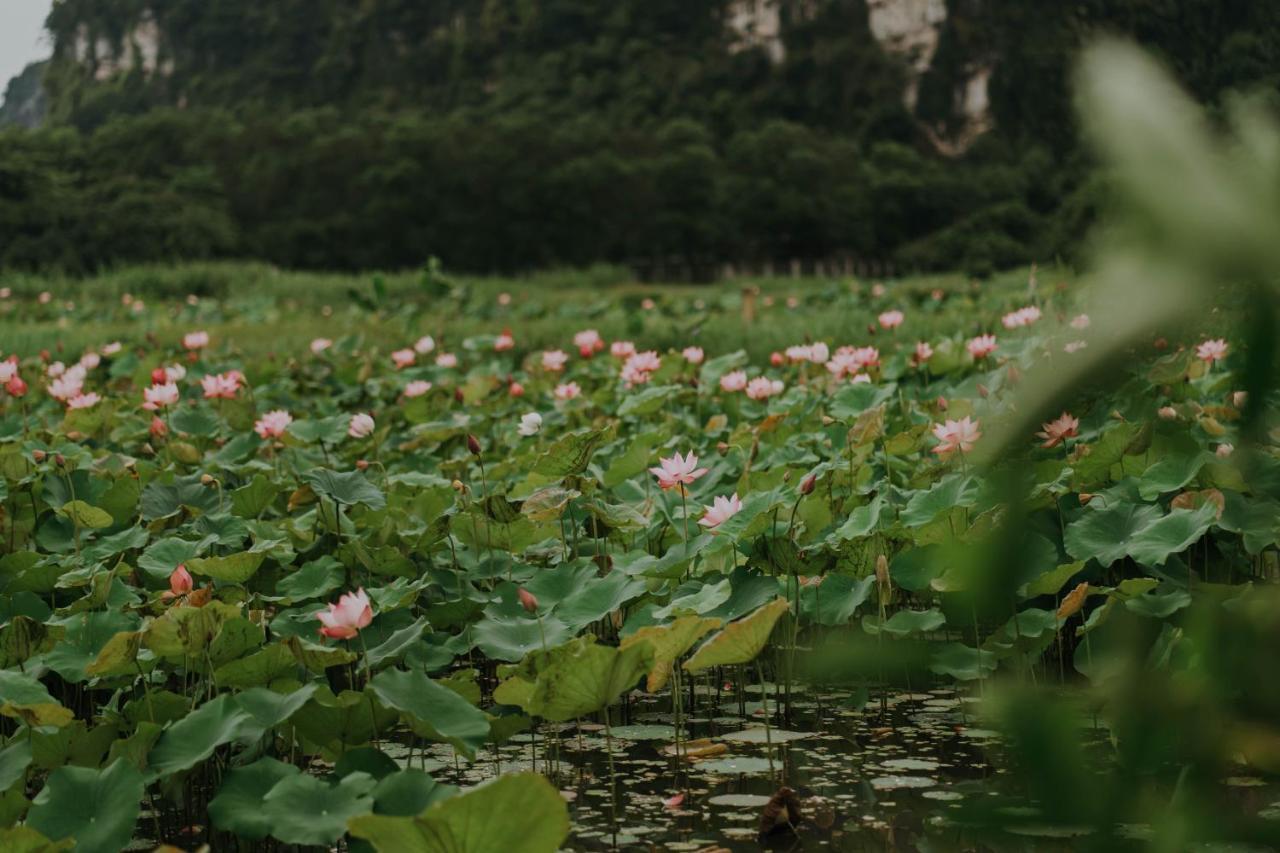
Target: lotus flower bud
(473, 444)
(942, 404)
(882, 570)
(516, 389)
(806, 485)
(527, 600)
(16, 387)
(59, 460)
(362, 464)
(1085, 497)
(158, 376)
(38, 455)
(1167, 413)
(206, 479)
(776, 359)
(458, 486)
(457, 395)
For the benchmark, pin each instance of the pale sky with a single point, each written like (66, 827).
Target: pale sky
(22, 37)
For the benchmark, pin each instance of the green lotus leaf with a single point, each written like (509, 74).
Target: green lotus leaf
(238, 806)
(347, 488)
(739, 642)
(95, 807)
(233, 568)
(519, 811)
(669, 642)
(438, 712)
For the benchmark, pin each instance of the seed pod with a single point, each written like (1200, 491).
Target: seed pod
(882, 570)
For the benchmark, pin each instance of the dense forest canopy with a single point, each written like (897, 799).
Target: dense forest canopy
(671, 135)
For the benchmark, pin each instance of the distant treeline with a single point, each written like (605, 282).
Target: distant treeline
(319, 189)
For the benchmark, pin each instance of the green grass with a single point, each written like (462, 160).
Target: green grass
(265, 311)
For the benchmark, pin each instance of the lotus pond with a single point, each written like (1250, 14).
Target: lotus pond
(410, 585)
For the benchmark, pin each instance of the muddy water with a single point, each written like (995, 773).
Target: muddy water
(872, 773)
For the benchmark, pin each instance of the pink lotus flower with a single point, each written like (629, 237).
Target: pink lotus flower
(159, 396)
(15, 387)
(503, 342)
(174, 372)
(447, 360)
(221, 386)
(877, 290)
(693, 355)
(554, 360)
(622, 349)
(1071, 347)
(361, 426)
(843, 363)
(1167, 413)
(195, 340)
(504, 298)
(112, 348)
(956, 435)
(673, 802)
(777, 359)
(637, 368)
(90, 360)
(319, 345)
(923, 353)
(1057, 431)
(180, 583)
(567, 391)
(8, 370)
(1222, 451)
(66, 387)
(819, 352)
(424, 345)
(798, 353)
(762, 388)
(84, 401)
(403, 358)
(273, 424)
(588, 341)
(1211, 351)
(1080, 322)
(343, 620)
(417, 388)
(515, 389)
(721, 510)
(55, 370)
(734, 380)
(677, 471)
(1021, 317)
(158, 428)
(981, 346)
(891, 319)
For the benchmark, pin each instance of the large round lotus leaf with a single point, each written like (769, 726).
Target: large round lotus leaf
(233, 568)
(348, 488)
(520, 811)
(409, 792)
(24, 839)
(669, 643)
(740, 641)
(836, 599)
(238, 806)
(14, 760)
(510, 639)
(95, 807)
(24, 698)
(587, 680)
(439, 712)
(303, 809)
(194, 738)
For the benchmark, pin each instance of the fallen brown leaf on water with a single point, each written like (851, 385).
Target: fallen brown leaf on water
(695, 749)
